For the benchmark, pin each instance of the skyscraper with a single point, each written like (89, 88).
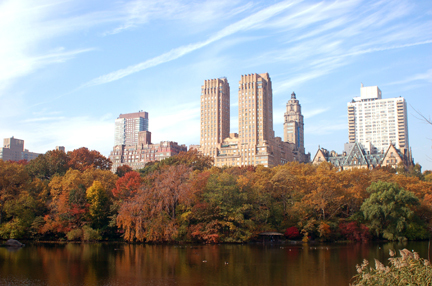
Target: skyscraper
(375, 122)
(127, 127)
(255, 109)
(215, 114)
(255, 142)
(293, 124)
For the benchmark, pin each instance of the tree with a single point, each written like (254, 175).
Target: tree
(192, 159)
(82, 159)
(98, 205)
(292, 233)
(388, 209)
(69, 207)
(225, 211)
(127, 185)
(152, 214)
(123, 170)
(47, 165)
(13, 181)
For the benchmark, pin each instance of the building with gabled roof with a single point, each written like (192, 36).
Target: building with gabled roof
(356, 156)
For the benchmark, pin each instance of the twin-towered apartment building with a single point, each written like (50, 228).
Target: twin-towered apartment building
(255, 143)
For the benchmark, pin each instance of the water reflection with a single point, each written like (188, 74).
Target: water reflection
(125, 264)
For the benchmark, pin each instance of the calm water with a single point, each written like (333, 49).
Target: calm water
(123, 264)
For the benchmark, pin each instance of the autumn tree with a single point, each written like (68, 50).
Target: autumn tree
(123, 170)
(323, 194)
(225, 211)
(192, 159)
(151, 214)
(47, 165)
(82, 159)
(69, 206)
(98, 205)
(22, 201)
(127, 185)
(13, 180)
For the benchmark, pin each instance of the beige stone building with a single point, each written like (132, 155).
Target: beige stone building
(255, 143)
(215, 115)
(13, 149)
(355, 156)
(294, 129)
(377, 123)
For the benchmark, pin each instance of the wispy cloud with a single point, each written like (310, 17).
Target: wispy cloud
(325, 129)
(39, 119)
(311, 113)
(25, 25)
(247, 23)
(194, 14)
(427, 76)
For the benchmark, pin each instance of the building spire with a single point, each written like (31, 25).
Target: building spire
(293, 95)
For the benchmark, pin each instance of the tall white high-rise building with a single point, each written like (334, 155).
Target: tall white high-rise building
(127, 127)
(376, 122)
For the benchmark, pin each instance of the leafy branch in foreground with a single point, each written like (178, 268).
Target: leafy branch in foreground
(409, 269)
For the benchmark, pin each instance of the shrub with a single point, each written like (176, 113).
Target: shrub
(409, 269)
(74, 234)
(292, 233)
(13, 229)
(91, 234)
(352, 231)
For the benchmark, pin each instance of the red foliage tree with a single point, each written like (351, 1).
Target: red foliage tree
(127, 185)
(353, 231)
(292, 233)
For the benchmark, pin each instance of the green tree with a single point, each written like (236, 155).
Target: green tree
(388, 209)
(225, 213)
(13, 180)
(47, 165)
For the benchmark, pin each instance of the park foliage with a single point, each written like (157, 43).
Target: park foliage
(75, 196)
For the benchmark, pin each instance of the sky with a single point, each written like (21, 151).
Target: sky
(70, 68)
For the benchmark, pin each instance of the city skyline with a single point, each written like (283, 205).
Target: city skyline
(69, 68)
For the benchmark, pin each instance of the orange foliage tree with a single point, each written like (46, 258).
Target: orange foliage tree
(69, 207)
(82, 159)
(151, 214)
(127, 185)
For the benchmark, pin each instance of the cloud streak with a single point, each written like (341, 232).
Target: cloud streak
(247, 23)
(427, 76)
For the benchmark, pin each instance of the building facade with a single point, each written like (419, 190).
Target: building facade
(255, 143)
(215, 114)
(377, 123)
(127, 127)
(13, 150)
(138, 155)
(294, 125)
(356, 157)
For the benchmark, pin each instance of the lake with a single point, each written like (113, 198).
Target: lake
(165, 265)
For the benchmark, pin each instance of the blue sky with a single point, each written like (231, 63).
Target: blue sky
(69, 68)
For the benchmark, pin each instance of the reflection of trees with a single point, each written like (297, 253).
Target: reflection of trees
(135, 264)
